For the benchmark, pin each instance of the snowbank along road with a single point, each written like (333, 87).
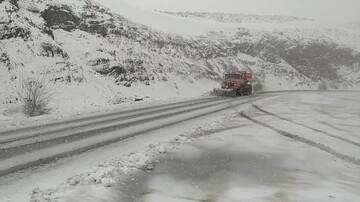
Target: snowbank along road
(27, 147)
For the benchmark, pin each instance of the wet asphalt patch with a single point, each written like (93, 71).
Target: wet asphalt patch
(207, 175)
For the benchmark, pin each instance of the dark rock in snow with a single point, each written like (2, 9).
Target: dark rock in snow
(14, 32)
(127, 84)
(118, 70)
(15, 3)
(49, 32)
(138, 99)
(4, 58)
(50, 50)
(60, 17)
(95, 27)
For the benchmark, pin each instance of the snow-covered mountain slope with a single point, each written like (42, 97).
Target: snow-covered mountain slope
(353, 25)
(164, 22)
(249, 21)
(94, 57)
(236, 17)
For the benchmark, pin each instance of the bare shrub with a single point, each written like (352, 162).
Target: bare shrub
(323, 85)
(334, 85)
(35, 96)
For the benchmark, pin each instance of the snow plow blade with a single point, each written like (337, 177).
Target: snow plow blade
(224, 92)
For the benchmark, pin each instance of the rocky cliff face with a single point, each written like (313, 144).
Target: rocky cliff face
(78, 44)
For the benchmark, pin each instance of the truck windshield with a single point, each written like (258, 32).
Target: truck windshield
(233, 76)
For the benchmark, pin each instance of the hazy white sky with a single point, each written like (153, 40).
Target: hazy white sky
(339, 11)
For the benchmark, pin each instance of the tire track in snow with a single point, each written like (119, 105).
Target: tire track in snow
(86, 133)
(95, 117)
(55, 158)
(306, 126)
(311, 143)
(18, 135)
(49, 155)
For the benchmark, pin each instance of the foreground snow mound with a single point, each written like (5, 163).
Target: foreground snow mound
(94, 57)
(104, 177)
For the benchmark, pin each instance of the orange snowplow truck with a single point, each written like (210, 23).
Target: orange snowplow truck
(236, 84)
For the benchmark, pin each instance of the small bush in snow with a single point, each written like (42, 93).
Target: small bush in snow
(334, 85)
(323, 85)
(35, 96)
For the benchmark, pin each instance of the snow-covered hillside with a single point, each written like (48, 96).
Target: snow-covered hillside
(353, 27)
(236, 17)
(93, 56)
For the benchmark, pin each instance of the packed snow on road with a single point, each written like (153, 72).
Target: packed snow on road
(301, 146)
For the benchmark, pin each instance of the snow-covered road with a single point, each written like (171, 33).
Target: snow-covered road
(281, 146)
(29, 147)
(294, 147)
(25, 151)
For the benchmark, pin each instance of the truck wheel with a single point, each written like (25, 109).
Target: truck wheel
(240, 92)
(248, 90)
